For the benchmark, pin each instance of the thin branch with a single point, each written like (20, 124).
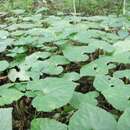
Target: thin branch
(3, 77)
(74, 7)
(124, 7)
(75, 12)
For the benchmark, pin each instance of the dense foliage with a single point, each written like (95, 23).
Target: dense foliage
(84, 7)
(64, 73)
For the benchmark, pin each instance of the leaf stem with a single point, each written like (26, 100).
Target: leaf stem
(124, 7)
(74, 9)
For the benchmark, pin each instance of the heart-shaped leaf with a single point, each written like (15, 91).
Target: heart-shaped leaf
(90, 117)
(55, 92)
(47, 124)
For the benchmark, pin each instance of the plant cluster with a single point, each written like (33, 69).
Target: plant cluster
(64, 73)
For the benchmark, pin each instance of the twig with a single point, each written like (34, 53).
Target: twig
(3, 77)
(124, 7)
(74, 8)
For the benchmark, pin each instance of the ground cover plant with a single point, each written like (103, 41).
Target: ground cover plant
(64, 72)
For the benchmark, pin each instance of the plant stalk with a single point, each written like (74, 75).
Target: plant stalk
(124, 7)
(74, 8)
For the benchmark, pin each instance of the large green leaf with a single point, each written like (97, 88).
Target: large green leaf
(47, 124)
(8, 96)
(78, 99)
(103, 82)
(123, 122)
(122, 74)
(6, 118)
(35, 56)
(16, 51)
(3, 65)
(72, 76)
(46, 67)
(4, 34)
(75, 53)
(84, 36)
(122, 46)
(58, 60)
(48, 55)
(123, 57)
(55, 92)
(118, 97)
(34, 67)
(4, 43)
(99, 44)
(99, 66)
(90, 117)
(26, 25)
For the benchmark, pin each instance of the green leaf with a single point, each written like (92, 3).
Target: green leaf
(99, 44)
(103, 82)
(123, 57)
(78, 99)
(3, 65)
(118, 97)
(122, 46)
(41, 10)
(122, 74)
(75, 53)
(56, 92)
(84, 36)
(4, 34)
(13, 75)
(33, 18)
(5, 86)
(123, 34)
(6, 118)
(47, 124)
(35, 67)
(72, 76)
(97, 67)
(46, 67)
(16, 51)
(26, 25)
(123, 122)
(18, 11)
(36, 31)
(90, 117)
(28, 40)
(17, 33)
(4, 43)
(12, 27)
(35, 56)
(58, 60)
(8, 96)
